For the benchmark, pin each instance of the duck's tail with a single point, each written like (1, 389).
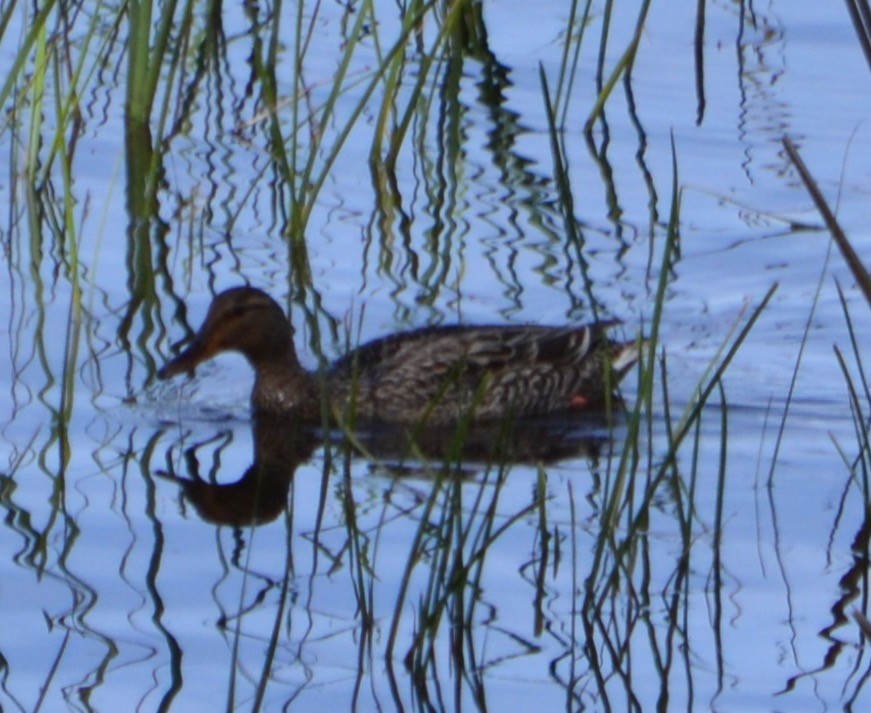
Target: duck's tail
(625, 356)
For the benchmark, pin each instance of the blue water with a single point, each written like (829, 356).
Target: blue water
(117, 591)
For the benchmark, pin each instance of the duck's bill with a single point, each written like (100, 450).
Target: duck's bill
(186, 362)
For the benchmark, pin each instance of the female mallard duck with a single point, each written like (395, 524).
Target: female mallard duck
(435, 375)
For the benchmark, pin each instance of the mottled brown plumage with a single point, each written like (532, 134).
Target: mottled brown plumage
(436, 375)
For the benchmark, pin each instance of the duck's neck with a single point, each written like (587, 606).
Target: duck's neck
(282, 386)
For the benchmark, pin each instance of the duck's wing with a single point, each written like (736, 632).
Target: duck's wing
(445, 371)
(528, 346)
(478, 348)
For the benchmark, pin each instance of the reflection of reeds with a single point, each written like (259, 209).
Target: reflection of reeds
(617, 592)
(854, 583)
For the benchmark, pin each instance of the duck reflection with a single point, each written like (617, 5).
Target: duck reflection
(260, 495)
(282, 445)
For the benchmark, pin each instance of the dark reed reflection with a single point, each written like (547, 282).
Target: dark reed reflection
(838, 635)
(426, 267)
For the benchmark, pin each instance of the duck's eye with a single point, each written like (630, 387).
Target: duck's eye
(237, 311)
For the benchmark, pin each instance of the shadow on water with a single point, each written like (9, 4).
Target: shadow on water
(281, 446)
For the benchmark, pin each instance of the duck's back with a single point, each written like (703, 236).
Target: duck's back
(441, 374)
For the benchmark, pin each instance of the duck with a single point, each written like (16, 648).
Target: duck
(437, 375)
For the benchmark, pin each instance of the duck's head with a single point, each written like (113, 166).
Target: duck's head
(243, 319)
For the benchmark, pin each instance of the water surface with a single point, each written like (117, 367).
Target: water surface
(124, 585)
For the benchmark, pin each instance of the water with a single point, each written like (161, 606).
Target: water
(120, 585)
